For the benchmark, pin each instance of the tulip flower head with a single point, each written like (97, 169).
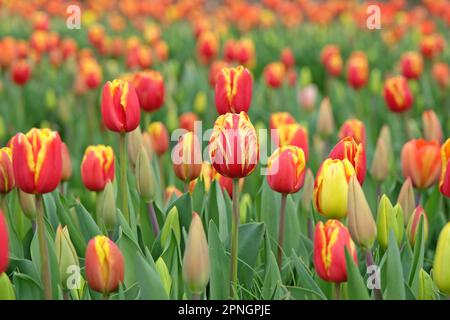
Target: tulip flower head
(187, 157)
(278, 119)
(104, 265)
(274, 74)
(330, 241)
(233, 91)
(288, 58)
(150, 90)
(441, 74)
(357, 70)
(353, 128)
(4, 244)
(120, 106)
(7, 182)
(389, 219)
(233, 146)
(207, 47)
(413, 225)
(332, 60)
(20, 72)
(444, 181)
(397, 94)
(354, 152)
(37, 160)
(65, 253)
(432, 129)
(187, 121)
(97, 167)
(411, 65)
(159, 137)
(292, 135)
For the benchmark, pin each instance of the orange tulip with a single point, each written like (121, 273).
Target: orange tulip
(332, 60)
(274, 74)
(441, 74)
(357, 70)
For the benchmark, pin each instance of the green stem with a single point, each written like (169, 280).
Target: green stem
(196, 296)
(161, 175)
(337, 291)
(281, 230)
(123, 175)
(45, 271)
(234, 238)
(369, 262)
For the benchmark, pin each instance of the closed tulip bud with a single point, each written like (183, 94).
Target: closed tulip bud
(187, 157)
(389, 219)
(274, 74)
(444, 181)
(421, 162)
(413, 225)
(325, 119)
(104, 265)
(245, 52)
(134, 144)
(20, 72)
(407, 200)
(196, 263)
(286, 169)
(65, 254)
(187, 121)
(150, 90)
(431, 45)
(441, 74)
(106, 206)
(357, 70)
(307, 190)
(37, 160)
(380, 162)
(207, 47)
(306, 97)
(331, 188)
(159, 137)
(145, 180)
(4, 244)
(441, 271)
(330, 241)
(233, 146)
(332, 60)
(120, 106)
(432, 130)
(354, 152)
(288, 58)
(385, 134)
(6, 170)
(27, 202)
(355, 129)
(90, 73)
(97, 167)
(397, 94)
(66, 163)
(411, 65)
(233, 91)
(361, 224)
(292, 135)
(427, 289)
(6, 288)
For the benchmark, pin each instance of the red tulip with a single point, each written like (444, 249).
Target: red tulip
(20, 72)
(274, 74)
(233, 92)
(6, 170)
(187, 121)
(354, 152)
(97, 167)
(288, 58)
(397, 94)
(411, 65)
(207, 47)
(331, 59)
(187, 157)
(279, 119)
(444, 181)
(150, 90)
(159, 137)
(214, 71)
(357, 70)
(355, 129)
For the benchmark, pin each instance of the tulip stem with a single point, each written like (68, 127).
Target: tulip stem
(281, 229)
(45, 271)
(234, 238)
(161, 174)
(153, 219)
(123, 176)
(337, 291)
(196, 296)
(370, 262)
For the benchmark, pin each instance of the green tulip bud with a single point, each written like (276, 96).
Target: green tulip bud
(389, 218)
(145, 179)
(106, 207)
(441, 270)
(28, 204)
(413, 225)
(65, 254)
(6, 288)
(134, 143)
(426, 287)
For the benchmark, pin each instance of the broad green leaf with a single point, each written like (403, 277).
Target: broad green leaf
(395, 287)
(356, 288)
(149, 281)
(26, 287)
(220, 265)
(88, 227)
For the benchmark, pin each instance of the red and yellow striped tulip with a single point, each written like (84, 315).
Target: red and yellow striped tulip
(104, 265)
(354, 152)
(357, 70)
(120, 106)
(411, 65)
(244, 52)
(331, 188)
(207, 47)
(330, 241)
(397, 94)
(431, 45)
(332, 60)
(97, 167)
(187, 121)
(286, 169)
(274, 74)
(413, 225)
(293, 134)
(278, 119)
(4, 244)
(233, 146)
(421, 161)
(233, 91)
(355, 129)
(7, 182)
(150, 90)
(444, 181)
(90, 72)
(37, 160)
(187, 157)
(159, 137)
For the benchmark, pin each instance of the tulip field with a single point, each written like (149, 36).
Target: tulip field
(224, 150)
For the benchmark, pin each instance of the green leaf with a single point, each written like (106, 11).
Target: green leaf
(220, 265)
(172, 224)
(305, 279)
(130, 250)
(395, 287)
(272, 278)
(88, 227)
(356, 288)
(149, 281)
(26, 287)
(419, 253)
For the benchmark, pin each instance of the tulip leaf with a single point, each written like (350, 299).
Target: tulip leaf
(433, 207)
(220, 265)
(88, 227)
(130, 250)
(356, 288)
(292, 227)
(26, 287)
(149, 281)
(419, 253)
(50, 209)
(395, 287)
(272, 277)
(305, 279)
(184, 207)
(217, 210)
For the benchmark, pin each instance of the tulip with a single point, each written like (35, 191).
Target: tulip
(245, 52)
(159, 137)
(229, 50)
(196, 262)
(389, 219)
(397, 94)
(106, 207)
(431, 45)
(120, 106)
(6, 288)
(441, 74)
(330, 241)
(288, 58)
(37, 160)
(441, 271)
(357, 70)
(331, 188)
(413, 225)
(306, 97)
(274, 74)
(187, 157)
(279, 119)
(90, 72)
(233, 145)
(233, 91)
(150, 90)
(427, 289)
(145, 180)
(161, 50)
(331, 59)
(293, 134)
(207, 47)
(65, 254)
(97, 167)
(20, 72)
(66, 163)
(4, 244)
(421, 162)
(355, 129)
(6, 171)
(407, 200)
(354, 152)
(214, 70)
(104, 265)
(361, 224)
(381, 161)
(187, 121)
(134, 144)
(411, 65)
(444, 181)
(325, 119)
(432, 129)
